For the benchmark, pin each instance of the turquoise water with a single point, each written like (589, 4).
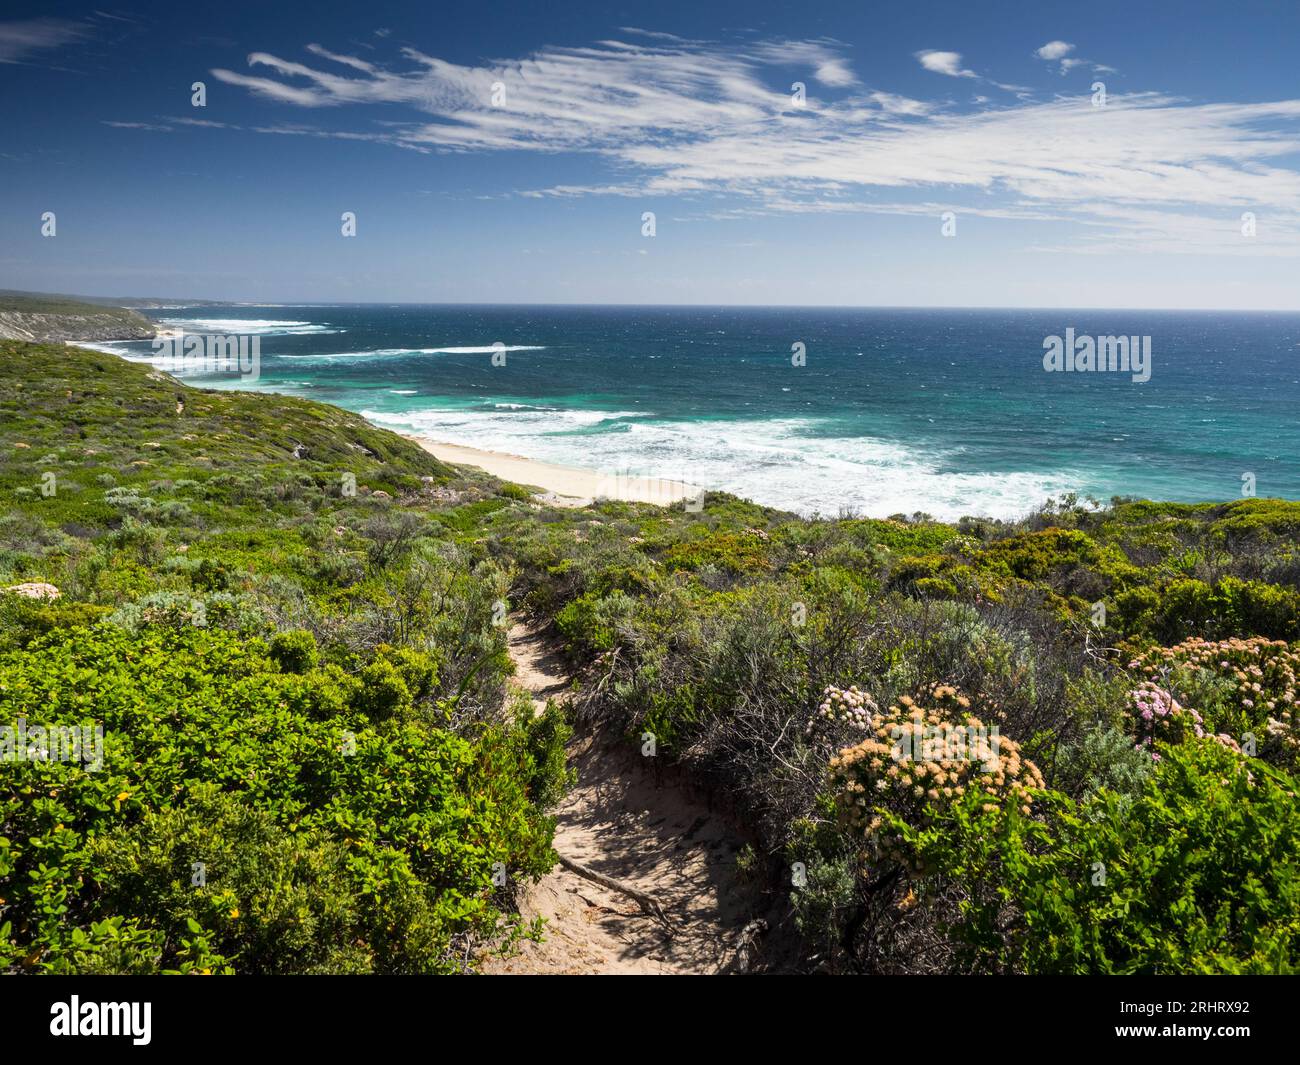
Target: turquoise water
(949, 412)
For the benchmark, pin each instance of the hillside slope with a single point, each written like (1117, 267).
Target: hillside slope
(309, 759)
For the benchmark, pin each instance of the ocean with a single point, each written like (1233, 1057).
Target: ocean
(948, 412)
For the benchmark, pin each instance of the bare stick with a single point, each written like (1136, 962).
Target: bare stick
(649, 904)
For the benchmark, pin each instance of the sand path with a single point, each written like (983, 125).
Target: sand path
(621, 821)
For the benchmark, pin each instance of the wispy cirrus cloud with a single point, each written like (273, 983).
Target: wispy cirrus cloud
(559, 99)
(150, 127)
(828, 67)
(674, 117)
(20, 40)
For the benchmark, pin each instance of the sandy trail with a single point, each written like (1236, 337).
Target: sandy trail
(621, 821)
(539, 670)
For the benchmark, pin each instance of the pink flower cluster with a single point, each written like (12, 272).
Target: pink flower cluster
(1159, 716)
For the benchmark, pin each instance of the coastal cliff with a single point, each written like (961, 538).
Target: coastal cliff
(49, 319)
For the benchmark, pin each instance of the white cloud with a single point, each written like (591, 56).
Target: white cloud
(944, 63)
(899, 105)
(205, 123)
(652, 34)
(1054, 50)
(828, 67)
(949, 63)
(1059, 52)
(150, 127)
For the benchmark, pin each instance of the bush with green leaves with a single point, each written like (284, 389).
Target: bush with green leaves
(295, 651)
(590, 622)
(1102, 758)
(332, 838)
(1198, 873)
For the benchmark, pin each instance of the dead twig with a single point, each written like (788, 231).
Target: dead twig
(648, 903)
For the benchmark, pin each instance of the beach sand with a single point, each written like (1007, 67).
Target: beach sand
(564, 485)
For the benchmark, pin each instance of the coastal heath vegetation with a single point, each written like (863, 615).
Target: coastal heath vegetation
(945, 758)
(312, 759)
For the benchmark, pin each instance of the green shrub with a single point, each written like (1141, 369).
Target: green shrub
(382, 693)
(545, 737)
(327, 846)
(591, 621)
(1200, 873)
(295, 651)
(732, 552)
(1037, 555)
(516, 492)
(22, 619)
(1226, 608)
(822, 878)
(1103, 759)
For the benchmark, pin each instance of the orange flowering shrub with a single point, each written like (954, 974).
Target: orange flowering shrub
(919, 759)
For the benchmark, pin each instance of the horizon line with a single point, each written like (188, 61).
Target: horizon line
(195, 301)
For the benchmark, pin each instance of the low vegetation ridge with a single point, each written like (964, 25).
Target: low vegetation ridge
(36, 316)
(291, 628)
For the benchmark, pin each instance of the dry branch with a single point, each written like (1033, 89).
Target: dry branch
(649, 904)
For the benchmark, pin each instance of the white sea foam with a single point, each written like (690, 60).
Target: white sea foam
(514, 426)
(774, 461)
(250, 326)
(482, 351)
(390, 352)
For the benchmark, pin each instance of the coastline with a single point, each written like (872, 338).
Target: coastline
(563, 486)
(786, 455)
(559, 486)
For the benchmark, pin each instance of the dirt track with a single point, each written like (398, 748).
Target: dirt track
(619, 821)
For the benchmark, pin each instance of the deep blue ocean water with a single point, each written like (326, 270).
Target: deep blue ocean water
(949, 412)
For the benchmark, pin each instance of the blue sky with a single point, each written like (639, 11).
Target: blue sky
(507, 152)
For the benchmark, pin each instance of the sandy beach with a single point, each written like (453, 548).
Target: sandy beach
(565, 485)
